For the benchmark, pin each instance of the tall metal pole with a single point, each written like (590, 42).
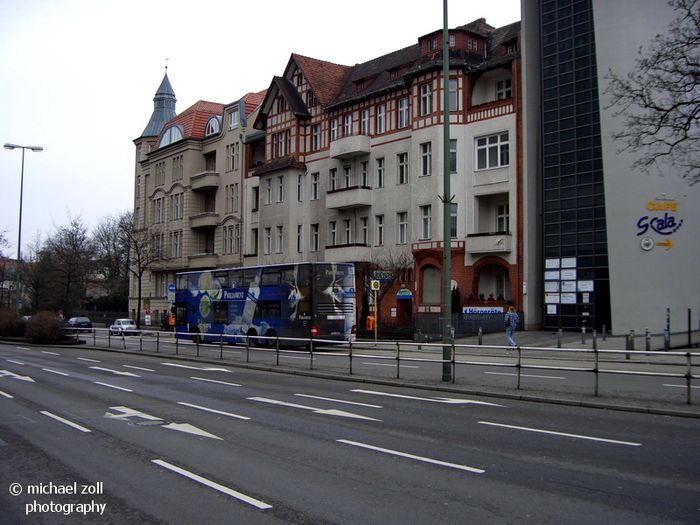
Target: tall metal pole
(447, 205)
(18, 297)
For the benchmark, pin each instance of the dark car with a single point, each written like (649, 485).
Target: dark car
(78, 324)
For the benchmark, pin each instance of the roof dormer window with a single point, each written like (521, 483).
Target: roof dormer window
(233, 119)
(213, 126)
(170, 135)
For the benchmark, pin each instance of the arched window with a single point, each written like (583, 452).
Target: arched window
(431, 285)
(213, 126)
(170, 135)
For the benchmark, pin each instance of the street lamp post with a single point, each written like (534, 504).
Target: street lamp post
(18, 300)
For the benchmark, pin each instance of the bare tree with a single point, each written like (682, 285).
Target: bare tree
(142, 253)
(112, 260)
(4, 273)
(660, 98)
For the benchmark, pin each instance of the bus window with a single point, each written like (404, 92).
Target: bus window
(234, 279)
(270, 277)
(266, 310)
(181, 313)
(221, 312)
(222, 277)
(288, 274)
(181, 282)
(248, 277)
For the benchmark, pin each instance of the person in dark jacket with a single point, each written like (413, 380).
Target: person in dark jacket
(511, 321)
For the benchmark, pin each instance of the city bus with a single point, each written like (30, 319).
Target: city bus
(300, 300)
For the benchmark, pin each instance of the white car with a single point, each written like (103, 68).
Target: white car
(124, 327)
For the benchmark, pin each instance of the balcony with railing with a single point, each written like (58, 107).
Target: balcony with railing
(206, 180)
(496, 108)
(348, 198)
(492, 242)
(207, 219)
(350, 146)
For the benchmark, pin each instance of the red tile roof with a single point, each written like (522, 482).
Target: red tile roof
(253, 101)
(194, 119)
(326, 78)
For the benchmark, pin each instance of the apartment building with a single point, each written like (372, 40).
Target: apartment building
(353, 170)
(617, 243)
(188, 190)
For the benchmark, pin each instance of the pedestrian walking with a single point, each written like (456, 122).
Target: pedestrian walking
(510, 321)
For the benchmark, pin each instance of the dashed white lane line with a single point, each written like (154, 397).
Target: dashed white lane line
(213, 485)
(412, 456)
(523, 375)
(205, 369)
(113, 386)
(16, 362)
(386, 364)
(139, 368)
(339, 401)
(5, 394)
(55, 372)
(563, 434)
(682, 386)
(49, 353)
(214, 381)
(213, 411)
(22, 348)
(65, 421)
(87, 359)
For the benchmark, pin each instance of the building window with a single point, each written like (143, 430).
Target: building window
(380, 172)
(160, 173)
(280, 239)
(255, 198)
(332, 233)
(316, 137)
(313, 238)
(236, 238)
(379, 223)
(176, 201)
(280, 188)
(453, 94)
(281, 105)
(492, 151)
(431, 285)
(281, 143)
(228, 239)
(432, 44)
(176, 244)
(426, 156)
(347, 125)
(310, 99)
(403, 113)
(502, 218)
(213, 126)
(300, 187)
(332, 179)
(158, 210)
(315, 186)
(268, 241)
(364, 122)
(232, 198)
(300, 228)
(364, 230)
(426, 99)
(453, 155)
(364, 174)
(233, 119)
(503, 89)
(472, 44)
(381, 119)
(334, 129)
(347, 228)
(402, 168)
(254, 241)
(452, 40)
(178, 169)
(268, 191)
(347, 176)
(453, 220)
(402, 227)
(425, 219)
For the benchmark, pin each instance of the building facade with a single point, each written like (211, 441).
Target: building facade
(618, 244)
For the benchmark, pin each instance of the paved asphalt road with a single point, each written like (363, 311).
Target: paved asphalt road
(163, 441)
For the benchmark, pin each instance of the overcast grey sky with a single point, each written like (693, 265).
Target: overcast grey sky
(79, 76)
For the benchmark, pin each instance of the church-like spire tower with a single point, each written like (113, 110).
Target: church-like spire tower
(163, 108)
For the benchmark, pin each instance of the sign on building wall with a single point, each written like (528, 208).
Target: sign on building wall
(661, 219)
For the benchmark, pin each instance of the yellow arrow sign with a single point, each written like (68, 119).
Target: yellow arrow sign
(668, 243)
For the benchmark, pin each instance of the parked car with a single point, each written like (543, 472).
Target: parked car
(124, 327)
(78, 324)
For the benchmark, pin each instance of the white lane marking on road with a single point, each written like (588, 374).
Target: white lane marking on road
(563, 434)
(118, 372)
(294, 357)
(88, 360)
(55, 372)
(127, 412)
(22, 348)
(16, 362)
(49, 353)
(339, 401)
(139, 368)
(682, 386)
(412, 456)
(523, 375)
(446, 400)
(213, 485)
(66, 422)
(190, 429)
(7, 373)
(386, 364)
(213, 411)
(206, 369)
(5, 394)
(113, 386)
(214, 381)
(315, 410)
